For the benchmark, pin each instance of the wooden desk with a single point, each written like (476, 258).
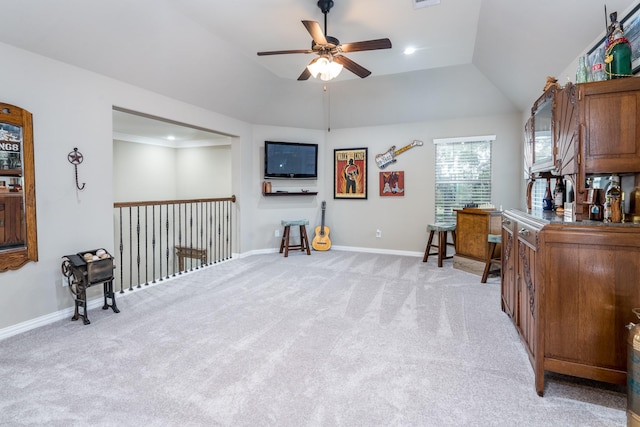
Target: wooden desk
(183, 252)
(473, 226)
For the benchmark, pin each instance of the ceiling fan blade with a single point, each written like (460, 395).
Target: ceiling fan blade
(366, 45)
(284, 52)
(305, 74)
(316, 32)
(355, 68)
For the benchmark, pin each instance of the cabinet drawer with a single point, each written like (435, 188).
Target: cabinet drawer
(509, 224)
(527, 234)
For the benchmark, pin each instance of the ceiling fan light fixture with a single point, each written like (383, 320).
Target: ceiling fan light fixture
(324, 68)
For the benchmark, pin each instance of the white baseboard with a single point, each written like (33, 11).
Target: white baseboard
(46, 319)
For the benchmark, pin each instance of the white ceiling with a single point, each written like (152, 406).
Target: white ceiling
(474, 56)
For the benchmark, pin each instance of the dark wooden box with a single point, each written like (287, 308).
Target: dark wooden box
(99, 270)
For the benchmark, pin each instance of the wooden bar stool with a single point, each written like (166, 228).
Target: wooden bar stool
(492, 258)
(442, 229)
(304, 241)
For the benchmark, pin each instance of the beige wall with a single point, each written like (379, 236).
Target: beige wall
(144, 172)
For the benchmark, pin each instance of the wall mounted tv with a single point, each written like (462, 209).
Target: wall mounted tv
(292, 160)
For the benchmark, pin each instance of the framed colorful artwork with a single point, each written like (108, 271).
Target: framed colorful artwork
(631, 26)
(350, 173)
(392, 184)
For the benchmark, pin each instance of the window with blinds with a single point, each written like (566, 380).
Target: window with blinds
(463, 174)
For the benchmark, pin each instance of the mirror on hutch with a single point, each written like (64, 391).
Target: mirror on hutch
(18, 234)
(542, 124)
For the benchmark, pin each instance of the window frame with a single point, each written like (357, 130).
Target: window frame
(481, 177)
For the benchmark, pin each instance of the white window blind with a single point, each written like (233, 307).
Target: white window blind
(463, 174)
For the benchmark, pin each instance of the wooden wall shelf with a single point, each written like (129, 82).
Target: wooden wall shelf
(290, 193)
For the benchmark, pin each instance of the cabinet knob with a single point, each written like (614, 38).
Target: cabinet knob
(506, 222)
(523, 232)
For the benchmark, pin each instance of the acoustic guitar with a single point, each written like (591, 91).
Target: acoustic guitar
(321, 241)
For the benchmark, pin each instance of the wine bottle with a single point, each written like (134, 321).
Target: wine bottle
(547, 201)
(595, 210)
(558, 194)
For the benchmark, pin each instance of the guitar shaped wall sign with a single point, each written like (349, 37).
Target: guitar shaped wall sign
(321, 241)
(385, 159)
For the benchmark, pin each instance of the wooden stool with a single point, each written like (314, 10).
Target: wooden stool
(442, 229)
(304, 241)
(492, 258)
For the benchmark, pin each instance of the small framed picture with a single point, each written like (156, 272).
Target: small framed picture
(350, 173)
(392, 184)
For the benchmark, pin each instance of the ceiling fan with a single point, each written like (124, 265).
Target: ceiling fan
(329, 50)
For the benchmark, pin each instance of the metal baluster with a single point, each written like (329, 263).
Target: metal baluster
(138, 235)
(229, 229)
(201, 245)
(218, 231)
(146, 246)
(190, 231)
(121, 248)
(160, 240)
(174, 236)
(209, 232)
(130, 250)
(180, 229)
(197, 236)
(167, 233)
(218, 237)
(227, 252)
(153, 242)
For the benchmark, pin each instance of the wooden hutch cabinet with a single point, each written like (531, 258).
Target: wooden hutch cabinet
(568, 283)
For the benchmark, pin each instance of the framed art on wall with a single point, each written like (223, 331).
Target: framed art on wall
(350, 173)
(631, 27)
(392, 184)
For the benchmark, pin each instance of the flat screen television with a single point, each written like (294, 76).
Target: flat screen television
(292, 160)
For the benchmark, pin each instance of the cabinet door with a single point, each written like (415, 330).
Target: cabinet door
(526, 317)
(567, 135)
(509, 258)
(589, 295)
(610, 129)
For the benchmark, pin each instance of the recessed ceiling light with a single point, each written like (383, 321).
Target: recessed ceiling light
(409, 50)
(171, 138)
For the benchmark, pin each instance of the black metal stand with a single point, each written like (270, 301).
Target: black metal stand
(82, 275)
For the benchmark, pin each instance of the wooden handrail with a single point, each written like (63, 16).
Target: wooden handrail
(172, 202)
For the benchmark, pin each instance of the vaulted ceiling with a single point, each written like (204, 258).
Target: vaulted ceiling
(474, 57)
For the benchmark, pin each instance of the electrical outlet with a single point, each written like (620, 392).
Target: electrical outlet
(277, 233)
(378, 234)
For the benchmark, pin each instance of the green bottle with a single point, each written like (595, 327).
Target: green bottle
(620, 64)
(618, 52)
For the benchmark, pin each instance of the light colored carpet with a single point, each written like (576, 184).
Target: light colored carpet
(332, 339)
